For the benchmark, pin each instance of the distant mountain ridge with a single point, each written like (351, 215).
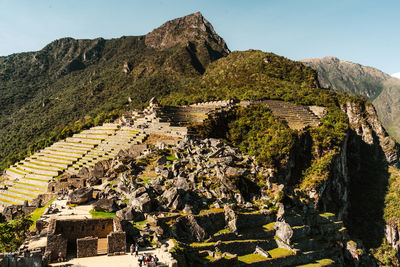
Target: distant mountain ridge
(380, 88)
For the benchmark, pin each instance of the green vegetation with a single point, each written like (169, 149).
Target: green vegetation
(319, 263)
(13, 234)
(269, 226)
(327, 141)
(139, 225)
(102, 214)
(256, 131)
(280, 252)
(327, 214)
(392, 199)
(251, 258)
(385, 254)
(37, 213)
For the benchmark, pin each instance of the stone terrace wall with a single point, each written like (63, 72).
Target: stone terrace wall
(116, 242)
(74, 229)
(55, 244)
(86, 247)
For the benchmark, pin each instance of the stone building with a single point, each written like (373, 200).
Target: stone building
(84, 238)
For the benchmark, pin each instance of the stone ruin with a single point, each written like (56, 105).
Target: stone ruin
(84, 238)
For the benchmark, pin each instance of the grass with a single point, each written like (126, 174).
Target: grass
(139, 225)
(269, 226)
(319, 263)
(102, 214)
(224, 231)
(37, 213)
(327, 214)
(280, 252)
(250, 258)
(213, 210)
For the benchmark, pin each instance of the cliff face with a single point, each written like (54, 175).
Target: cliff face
(359, 177)
(352, 78)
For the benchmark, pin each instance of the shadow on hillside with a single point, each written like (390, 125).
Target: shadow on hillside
(369, 177)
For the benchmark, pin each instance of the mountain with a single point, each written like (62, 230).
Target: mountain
(70, 80)
(380, 88)
(344, 164)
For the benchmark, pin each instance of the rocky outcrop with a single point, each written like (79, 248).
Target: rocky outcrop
(106, 205)
(377, 86)
(364, 121)
(192, 27)
(80, 196)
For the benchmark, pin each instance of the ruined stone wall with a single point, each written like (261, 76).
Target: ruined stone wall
(116, 242)
(31, 259)
(56, 243)
(17, 211)
(86, 247)
(74, 229)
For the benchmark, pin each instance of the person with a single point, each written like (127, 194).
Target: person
(141, 260)
(137, 249)
(60, 258)
(132, 249)
(155, 260)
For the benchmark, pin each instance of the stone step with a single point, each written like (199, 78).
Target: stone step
(34, 181)
(71, 155)
(53, 158)
(69, 149)
(6, 202)
(28, 186)
(22, 189)
(84, 140)
(14, 174)
(61, 166)
(11, 198)
(47, 166)
(74, 145)
(91, 136)
(38, 171)
(19, 194)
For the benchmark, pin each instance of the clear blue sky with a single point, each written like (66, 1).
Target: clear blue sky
(362, 31)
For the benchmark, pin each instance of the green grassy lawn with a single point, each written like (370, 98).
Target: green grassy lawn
(38, 213)
(102, 214)
(250, 258)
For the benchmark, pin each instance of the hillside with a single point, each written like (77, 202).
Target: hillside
(43, 91)
(380, 88)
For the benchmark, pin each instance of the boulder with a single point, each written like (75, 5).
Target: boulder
(130, 214)
(162, 161)
(80, 196)
(106, 205)
(182, 183)
(284, 233)
(101, 168)
(143, 203)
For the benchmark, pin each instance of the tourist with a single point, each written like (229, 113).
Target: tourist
(136, 249)
(60, 257)
(141, 259)
(155, 259)
(132, 249)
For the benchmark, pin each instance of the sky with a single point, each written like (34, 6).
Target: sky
(361, 31)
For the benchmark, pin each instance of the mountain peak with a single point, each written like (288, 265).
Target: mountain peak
(190, 28)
